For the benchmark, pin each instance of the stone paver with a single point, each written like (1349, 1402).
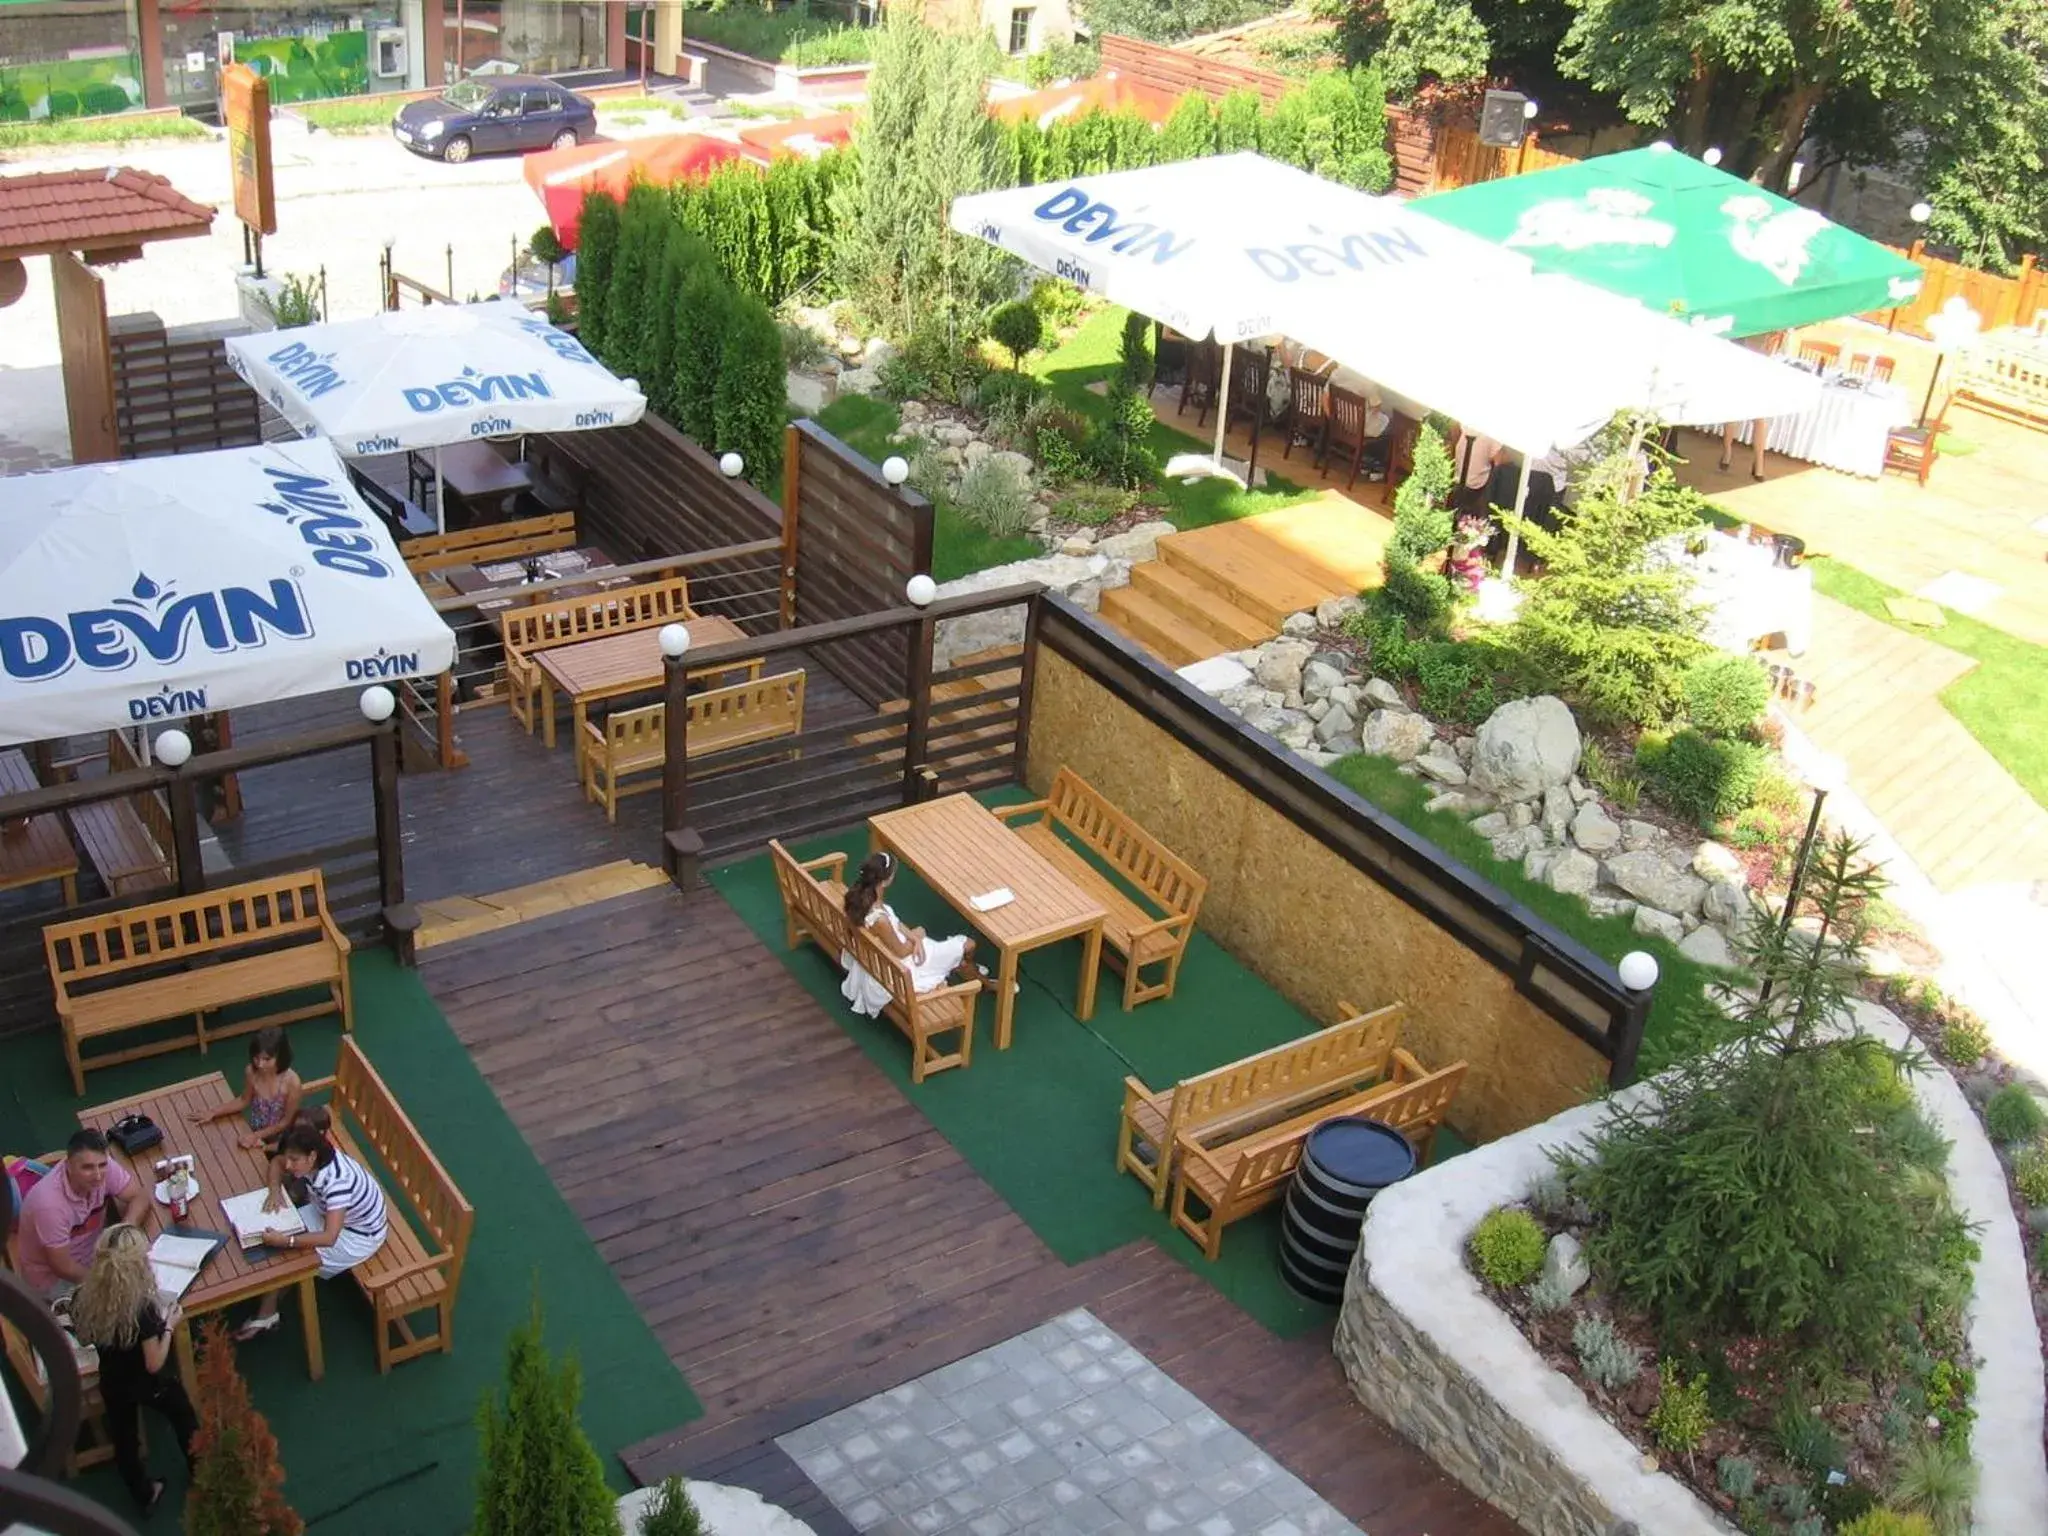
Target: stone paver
(1066, 1428)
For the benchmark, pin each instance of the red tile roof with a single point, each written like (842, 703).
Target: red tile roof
(112, 208)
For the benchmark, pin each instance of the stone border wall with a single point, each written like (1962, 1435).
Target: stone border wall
(1426, 1350)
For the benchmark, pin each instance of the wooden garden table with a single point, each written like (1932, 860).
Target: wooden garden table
(962, 850)
(224, 1168)
(613, 666)
(40, 850)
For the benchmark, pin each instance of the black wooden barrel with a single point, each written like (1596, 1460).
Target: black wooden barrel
(1343, 1165)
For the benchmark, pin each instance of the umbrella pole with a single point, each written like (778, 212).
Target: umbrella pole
(1507, 568)
(1223, 401)
(440, 497)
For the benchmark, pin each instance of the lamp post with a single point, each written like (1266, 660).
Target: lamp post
(1824, 776)
(1529, 111)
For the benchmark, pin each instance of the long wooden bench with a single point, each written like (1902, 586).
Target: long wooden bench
(614, 755)
(1233, 1179)
(1329, 1064)
(491, 542)
(419, 1268)
(814, 908)
(1137, 935)
(192, 956)
(537, 626)
(128, 840)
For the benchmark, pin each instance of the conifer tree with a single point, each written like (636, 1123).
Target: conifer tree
(237, 1483)
(538, 1474)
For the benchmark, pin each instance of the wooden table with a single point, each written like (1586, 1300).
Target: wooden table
(961, 850)
(225, 1168)
(613, 666)
(476, 472)
(563, 565)
(39, 850)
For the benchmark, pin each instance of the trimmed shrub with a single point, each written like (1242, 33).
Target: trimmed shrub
(1018, 329)
(597, 245)
(748, 405)
(1190, 132)
(1699, 777)
(698, 349)
(1134, 352)
(1119, 451)
(1058, 301)
(237, 1484)
(1726, 695)
(1888, 1522)
(672, 1512)
(545, 246)
(1680, 1420)
(1506, 1247)
(537, 1472)
(2030, 1174)
(2012, 1115)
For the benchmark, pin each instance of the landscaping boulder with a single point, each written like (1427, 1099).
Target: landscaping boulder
(1139, 542)
(1382, 694)
(1333, 611)
(1082, 580)
(1711, 861)
(1441, 764)
(860, 381)
(1727, 902)
(1281, 663)
(1706, 945)
(1537, 861)
(1521, 814)
(1648, 878)
(1594, 830)
(1638, 835)
(1318, 678)
(1397, 734)
(1658, 925)
(1525, 747)
(1574, 873)
(1300, 625)
(1219, 677)
(1610, 906)
(1565, 1264)
(1514, 845)
(1492, 824)
(806, 395)
(1582, 792)
(1557, 812)
(1336, 729)
(1457, 801)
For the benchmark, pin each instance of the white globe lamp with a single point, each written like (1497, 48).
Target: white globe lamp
(1920, 212)
(1712, 156)
(173, 748)
(730, 465)
(1529, 111)
(377, 703)
(895, 470)
(1638, 971)
(921, 589)
(674, 639)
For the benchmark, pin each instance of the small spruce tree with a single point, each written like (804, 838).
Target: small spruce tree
(1422, 528)
(672, 1512)
(237, 1483)
(538, 1474)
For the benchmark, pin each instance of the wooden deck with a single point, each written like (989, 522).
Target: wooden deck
(799, 1237)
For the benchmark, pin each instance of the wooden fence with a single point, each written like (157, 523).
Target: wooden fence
(1998, 301)
(175, 392)
(1461, 160)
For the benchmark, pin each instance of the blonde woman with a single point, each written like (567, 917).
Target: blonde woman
(118, 1311)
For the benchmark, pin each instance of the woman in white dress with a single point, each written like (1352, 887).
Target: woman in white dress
(931, 962)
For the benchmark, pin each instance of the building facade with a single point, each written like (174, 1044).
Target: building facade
(64, 58)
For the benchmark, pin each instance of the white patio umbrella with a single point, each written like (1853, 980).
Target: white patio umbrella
(420, 378)
(1238, 246)
(143, 591)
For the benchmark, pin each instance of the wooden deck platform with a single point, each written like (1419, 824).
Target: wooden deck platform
(800, 1237)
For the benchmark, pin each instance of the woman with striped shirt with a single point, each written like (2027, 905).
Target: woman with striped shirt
(346, 1221)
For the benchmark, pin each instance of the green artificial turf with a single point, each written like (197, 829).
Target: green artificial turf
(1039, 1120)
(2002, 701)
(1673, 1028)
(395, 1455)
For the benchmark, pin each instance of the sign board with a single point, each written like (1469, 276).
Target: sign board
(1502, 119)
(195, 63)
(245, 108)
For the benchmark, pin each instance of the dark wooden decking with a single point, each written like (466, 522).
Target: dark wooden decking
(800, 1237)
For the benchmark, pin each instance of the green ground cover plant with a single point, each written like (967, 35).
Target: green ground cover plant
(796, 36)
(117, 129)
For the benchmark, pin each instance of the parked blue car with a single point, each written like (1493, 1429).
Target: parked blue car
(499, 112)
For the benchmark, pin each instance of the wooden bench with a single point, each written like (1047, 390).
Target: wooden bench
(127, 840)
(194, 955)
(537, 626)
(633, 742)
(814, 908)
(491, 542)
(1137, 935)
(1235, 1178)
(1329, 1064)
(419, 1268)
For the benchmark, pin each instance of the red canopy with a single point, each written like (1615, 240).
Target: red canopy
(810, 137)
(1100, 93)
(560, 177)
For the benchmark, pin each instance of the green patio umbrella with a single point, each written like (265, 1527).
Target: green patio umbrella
(1683, 238)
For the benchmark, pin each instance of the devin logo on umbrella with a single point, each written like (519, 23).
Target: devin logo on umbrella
(152, 621)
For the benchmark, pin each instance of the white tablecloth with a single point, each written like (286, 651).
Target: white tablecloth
(1746, 593)
(1845, 431)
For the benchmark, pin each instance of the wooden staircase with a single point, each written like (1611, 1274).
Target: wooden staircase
(1228, 587)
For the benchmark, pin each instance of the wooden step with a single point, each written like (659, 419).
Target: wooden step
(1195, 604)
(1261, 585)
(1158, 628)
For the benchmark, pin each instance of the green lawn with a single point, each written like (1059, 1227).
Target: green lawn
(2002, 701)
(1673, 1028)
(350, 114)
(793, 36)
(115, 129)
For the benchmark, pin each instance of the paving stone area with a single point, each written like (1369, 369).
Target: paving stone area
(1066, 1428)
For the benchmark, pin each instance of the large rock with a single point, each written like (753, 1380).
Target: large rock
(1514, 845)
(1336, 730)
(1441, 764)
(1711, 861)
(860, 381)
(1658, 925)
(1609, 906)
(1537, 861)
(1281, 663)
(1331, 612)
(1594, 830)
(1492, 824)
(1649, 879)
(1397, 734)
(1381, 694)
(1557, 812)
(806, 394)
(1300, 625)
(1081, 578)
(1458, 802)
(1638, 835)
(1137, 543)
(1574, 873)
(1526, 747)
(1706, 945)
(1726, 903)
(1318, 678)
(1565, 1265)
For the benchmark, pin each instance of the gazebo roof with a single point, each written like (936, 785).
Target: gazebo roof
(107, 214)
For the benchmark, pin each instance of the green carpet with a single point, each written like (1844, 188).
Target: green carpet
(396, 1455)
(1039, 1120)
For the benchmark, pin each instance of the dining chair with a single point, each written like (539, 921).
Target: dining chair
(1198, 383)
(1822, 354)
(1308, 411)
(1913, 449)
(1169, 356)
(1343, 432)
(1246, 402)
(1400, 438)
(1881, 369)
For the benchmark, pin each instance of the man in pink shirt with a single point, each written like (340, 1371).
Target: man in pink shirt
(63, 1216)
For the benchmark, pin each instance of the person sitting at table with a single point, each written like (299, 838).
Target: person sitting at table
(270, 1091)
(931, 962)
(1759, 430)
(63, 1216)
(1477, 457)
(118, 1311)
(346, 1219)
